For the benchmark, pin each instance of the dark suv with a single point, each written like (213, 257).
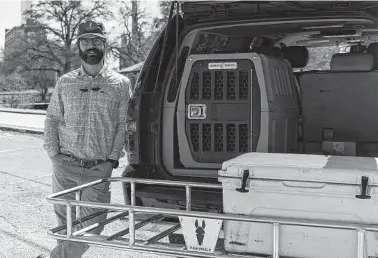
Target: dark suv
(226, 78)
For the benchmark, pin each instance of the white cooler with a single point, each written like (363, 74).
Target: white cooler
(299, 186)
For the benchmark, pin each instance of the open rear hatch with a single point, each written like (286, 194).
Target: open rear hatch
(223, 10)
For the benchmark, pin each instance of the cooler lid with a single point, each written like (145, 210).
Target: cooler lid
(302, 167)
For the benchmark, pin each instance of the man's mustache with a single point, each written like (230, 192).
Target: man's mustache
(96, 50)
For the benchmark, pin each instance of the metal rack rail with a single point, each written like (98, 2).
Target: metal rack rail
(156, 215)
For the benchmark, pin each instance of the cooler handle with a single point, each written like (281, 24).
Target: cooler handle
(243, 189)
(364, 185)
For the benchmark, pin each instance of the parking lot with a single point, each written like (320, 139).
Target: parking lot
(25, 215)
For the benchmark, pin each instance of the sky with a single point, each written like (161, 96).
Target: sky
(10, 14)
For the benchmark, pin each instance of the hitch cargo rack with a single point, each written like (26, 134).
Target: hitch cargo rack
(156, 215)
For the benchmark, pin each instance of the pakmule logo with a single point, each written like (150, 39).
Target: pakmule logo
(200, 231)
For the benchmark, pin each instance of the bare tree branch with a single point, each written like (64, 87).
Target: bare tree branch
(39, 58)
(135, 39)
(61, 19)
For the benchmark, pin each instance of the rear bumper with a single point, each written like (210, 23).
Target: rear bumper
(170, 197)
(173, 197)
(164, 196)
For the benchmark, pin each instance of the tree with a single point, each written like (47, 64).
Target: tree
(60, 21)
(3, 85)
(41, 82)
(139, 34)
(160, 22)
(134, 38)
(46, 49)
(14, 85)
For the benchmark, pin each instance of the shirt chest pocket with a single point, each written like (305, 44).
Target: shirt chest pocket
(73, 101)
(106, 102)
(76, 107)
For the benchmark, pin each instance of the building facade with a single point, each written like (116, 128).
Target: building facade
(27, 31)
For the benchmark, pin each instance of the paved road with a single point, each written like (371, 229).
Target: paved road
(25, 215)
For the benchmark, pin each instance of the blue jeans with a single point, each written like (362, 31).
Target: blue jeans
(67, 174)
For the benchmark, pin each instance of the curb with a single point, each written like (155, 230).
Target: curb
(23, 111)
(21, 129)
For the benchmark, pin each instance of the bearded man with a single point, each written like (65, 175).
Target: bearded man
(85, 130)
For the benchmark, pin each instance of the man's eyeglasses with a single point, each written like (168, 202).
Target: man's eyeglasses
(95, 42)
(92, 89)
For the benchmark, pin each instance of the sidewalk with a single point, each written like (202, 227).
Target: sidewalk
(22, 120)
(31, 121)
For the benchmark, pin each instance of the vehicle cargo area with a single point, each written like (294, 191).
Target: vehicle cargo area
(298, 86)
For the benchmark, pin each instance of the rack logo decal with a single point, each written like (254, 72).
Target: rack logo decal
(223, 66)
(200, 231)
(200, 234)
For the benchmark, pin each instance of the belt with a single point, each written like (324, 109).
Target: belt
(87, 163)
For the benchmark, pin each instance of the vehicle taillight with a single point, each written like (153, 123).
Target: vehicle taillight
(131, 126)
(132, 132)
(131, 143)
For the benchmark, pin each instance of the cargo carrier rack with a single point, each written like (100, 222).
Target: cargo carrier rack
(139, 217)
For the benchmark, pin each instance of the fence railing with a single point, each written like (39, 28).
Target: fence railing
(24, 99)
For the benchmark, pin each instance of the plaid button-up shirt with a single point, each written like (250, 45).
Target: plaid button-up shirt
(86, 116)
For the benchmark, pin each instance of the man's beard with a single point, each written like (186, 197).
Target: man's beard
(91, 56)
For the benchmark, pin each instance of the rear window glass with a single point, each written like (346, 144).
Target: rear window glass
(210, 43)
(320, 57)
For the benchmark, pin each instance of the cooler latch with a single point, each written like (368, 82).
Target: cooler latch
(364, 185)
(243, 189)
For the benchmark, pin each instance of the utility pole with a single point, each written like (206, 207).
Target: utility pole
(127, 42)
(134, 17)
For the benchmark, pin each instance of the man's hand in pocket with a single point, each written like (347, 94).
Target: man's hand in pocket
(60, 157)
(104, 166)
